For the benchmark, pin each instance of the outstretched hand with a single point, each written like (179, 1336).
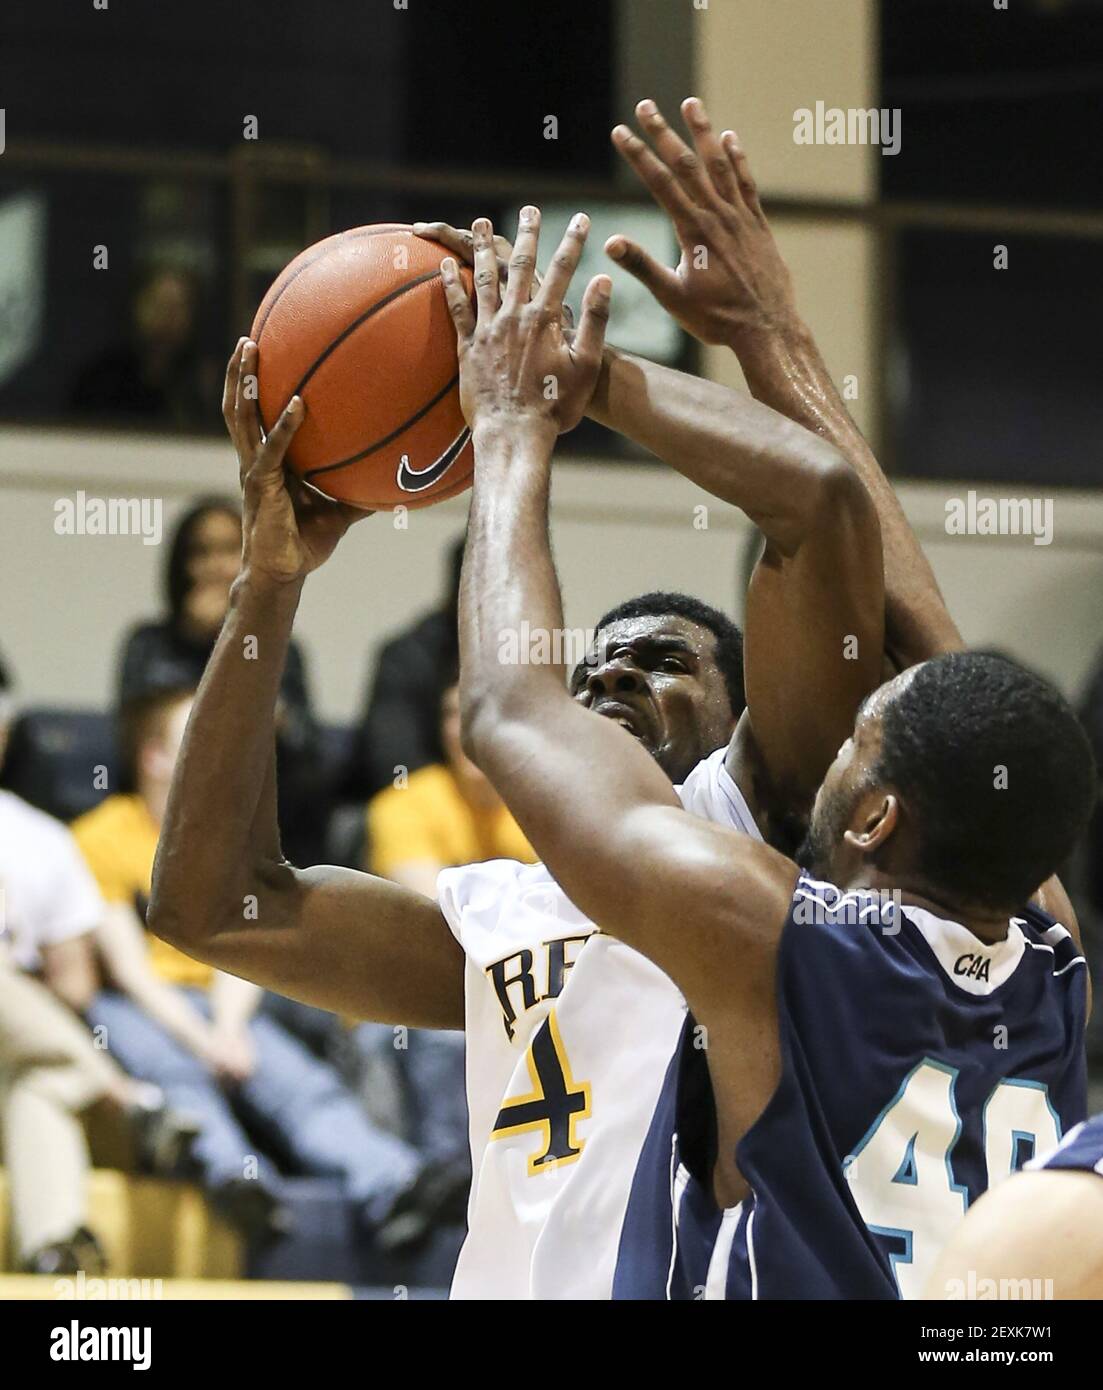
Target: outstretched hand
(518, 362)
(731, 279)
(461, 242)
(287, 528)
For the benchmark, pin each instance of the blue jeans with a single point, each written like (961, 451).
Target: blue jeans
(430, 1074)
(291, 1093)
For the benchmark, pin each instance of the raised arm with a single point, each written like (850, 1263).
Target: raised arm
(739, 293)
(814, 625)
(222, 890)
(705, 904)
(815, 610)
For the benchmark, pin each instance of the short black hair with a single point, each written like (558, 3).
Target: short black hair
(729, 640)
(995, 768)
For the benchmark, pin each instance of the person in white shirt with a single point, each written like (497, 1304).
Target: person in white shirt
(51, 1069)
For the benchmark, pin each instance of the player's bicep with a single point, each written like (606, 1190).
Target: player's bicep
(703, 902)
(346, 941)
(813, 641)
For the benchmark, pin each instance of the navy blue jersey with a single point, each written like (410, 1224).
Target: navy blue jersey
(919, 1064)
(1081, 1149)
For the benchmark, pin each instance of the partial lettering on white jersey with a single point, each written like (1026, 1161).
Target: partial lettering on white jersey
(569, 1034)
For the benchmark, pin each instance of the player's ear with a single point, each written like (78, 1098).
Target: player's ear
(878, 821)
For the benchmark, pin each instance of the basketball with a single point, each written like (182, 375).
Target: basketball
(357, 325)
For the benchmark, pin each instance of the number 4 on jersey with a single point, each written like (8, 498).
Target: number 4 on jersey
(554, 1105)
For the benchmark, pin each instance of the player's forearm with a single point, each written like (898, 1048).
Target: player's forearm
(509, 582)
(220, 823)
(536, 744)
(733, 447)
(784, 370)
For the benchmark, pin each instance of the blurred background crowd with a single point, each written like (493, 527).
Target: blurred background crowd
(215, 1079)
(138, 231)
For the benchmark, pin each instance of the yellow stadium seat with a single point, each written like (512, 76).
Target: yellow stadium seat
(149, 1228)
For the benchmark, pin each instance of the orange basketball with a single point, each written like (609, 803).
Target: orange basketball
(358, 326)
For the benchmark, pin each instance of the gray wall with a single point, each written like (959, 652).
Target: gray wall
(65, 601)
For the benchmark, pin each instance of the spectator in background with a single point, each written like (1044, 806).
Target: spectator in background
(156, 375)
(50, 1069)
(441, 815)
(444, 814)
(400, 726)
(203, 561)
(195, 1031)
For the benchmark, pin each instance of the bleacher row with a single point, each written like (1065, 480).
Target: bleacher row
(65, 761)
(154, 1229)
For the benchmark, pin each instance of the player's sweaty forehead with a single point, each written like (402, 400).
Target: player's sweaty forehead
(651, 640)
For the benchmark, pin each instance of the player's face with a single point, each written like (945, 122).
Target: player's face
(657, 677)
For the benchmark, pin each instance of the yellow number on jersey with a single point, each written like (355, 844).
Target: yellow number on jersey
(553, 1107)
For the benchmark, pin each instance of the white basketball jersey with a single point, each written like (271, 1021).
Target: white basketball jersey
(569, 1035)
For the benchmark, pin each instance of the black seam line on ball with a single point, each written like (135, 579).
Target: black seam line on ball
(387, 439)
(356, 323)
(338, 237)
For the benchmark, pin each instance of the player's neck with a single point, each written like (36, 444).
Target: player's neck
(987, 925)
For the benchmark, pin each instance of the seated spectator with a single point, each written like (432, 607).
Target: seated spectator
(171, 653)
(400, 723)
(445, 814)
(50, 1069)
(156, 375)
(195, 1032)
(441, 815)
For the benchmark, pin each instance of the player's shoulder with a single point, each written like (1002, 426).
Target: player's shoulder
(504, 899)
(821, 903)
(712, 793)
(1050, 945)
(1081, 1149)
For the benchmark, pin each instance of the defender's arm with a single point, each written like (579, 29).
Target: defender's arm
(741, 295)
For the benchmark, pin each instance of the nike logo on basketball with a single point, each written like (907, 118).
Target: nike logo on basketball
(418, 479)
